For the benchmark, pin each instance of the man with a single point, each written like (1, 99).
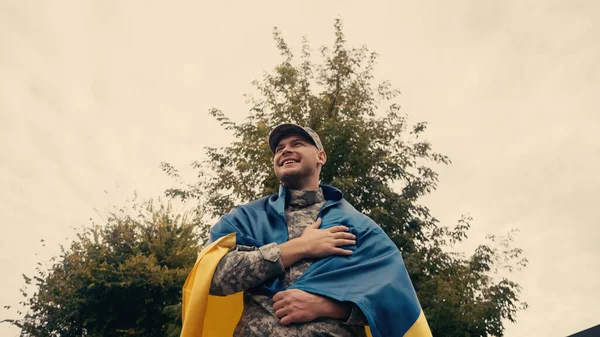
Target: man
(297, 162)
(306, 262)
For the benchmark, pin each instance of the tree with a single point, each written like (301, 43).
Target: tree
(382, 165)
(123, 278)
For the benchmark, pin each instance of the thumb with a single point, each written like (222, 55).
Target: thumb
(316, 224)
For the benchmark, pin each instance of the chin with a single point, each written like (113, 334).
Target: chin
(296, 181)
(291, 180)
(288, 173)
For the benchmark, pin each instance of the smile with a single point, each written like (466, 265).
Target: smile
(288, 162)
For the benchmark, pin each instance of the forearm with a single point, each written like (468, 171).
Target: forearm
(347, 312)
(356, 316)
(338, 310)
(245, 267)
(292, 251)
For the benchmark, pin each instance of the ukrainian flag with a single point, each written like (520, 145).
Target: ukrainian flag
(205, 315)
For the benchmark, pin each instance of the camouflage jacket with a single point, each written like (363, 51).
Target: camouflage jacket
(245, 267)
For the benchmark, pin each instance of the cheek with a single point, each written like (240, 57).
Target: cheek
(315, 158)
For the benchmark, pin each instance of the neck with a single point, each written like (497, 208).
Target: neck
(306, 186)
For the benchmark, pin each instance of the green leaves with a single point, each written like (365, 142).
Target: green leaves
(381, 163)
(125, 277)
(121, 278)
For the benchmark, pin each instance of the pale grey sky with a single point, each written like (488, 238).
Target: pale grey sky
(95, 94)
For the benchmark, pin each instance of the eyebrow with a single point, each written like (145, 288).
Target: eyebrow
(292, 142)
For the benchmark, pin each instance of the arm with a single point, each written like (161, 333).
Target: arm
(245, 267)
(296, 306)
(356, 316)
(347, 312)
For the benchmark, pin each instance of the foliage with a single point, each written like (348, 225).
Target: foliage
(382, 165)
(123, 278)
(466, 296)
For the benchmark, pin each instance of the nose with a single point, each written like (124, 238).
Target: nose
(286, 148)
(285, 151)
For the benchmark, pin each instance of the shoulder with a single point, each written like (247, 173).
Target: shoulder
(242, 216)
(249, 208)
(357, 219)
(259, 204)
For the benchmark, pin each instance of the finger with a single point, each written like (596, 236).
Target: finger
(286, 320)
(316, 224)
(290, 318)
(278, 305)
(344, 235)
(343, 242)
(340, 228)
(279, 296)
(340, 251)
(282, 312)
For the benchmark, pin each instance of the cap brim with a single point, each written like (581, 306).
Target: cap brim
(283, 130)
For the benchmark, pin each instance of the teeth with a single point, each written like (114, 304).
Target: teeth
(288, 161)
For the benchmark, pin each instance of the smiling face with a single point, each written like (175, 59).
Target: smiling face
(297, 163)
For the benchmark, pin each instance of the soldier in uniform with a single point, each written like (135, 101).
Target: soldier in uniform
(297, 162)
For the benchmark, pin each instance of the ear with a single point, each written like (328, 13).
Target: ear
(322, 159)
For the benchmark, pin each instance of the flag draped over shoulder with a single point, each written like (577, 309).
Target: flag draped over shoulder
(373, 277)
(203, 314)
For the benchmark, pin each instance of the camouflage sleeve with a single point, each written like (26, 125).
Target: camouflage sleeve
(356, 317)
(245, 267)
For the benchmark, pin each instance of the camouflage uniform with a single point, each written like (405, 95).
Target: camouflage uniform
(246, 267)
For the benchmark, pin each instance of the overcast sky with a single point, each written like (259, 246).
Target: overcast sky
(95, 94)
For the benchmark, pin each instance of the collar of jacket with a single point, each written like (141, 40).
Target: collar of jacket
(332, 196)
